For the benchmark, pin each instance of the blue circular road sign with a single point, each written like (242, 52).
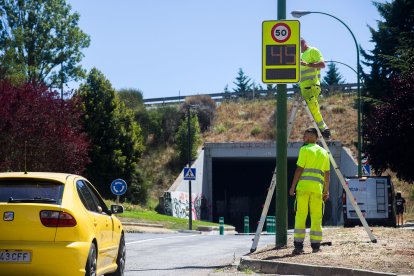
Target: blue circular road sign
(118, 187)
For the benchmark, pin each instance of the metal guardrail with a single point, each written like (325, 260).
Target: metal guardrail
(250, 95)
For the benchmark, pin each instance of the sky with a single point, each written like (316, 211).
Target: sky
(187, 47)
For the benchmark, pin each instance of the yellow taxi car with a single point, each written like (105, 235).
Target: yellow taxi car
(57, 224)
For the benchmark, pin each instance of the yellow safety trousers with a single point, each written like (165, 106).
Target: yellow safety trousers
(313, 202)
(310, 94)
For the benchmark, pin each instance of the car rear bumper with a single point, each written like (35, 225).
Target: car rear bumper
(47, 258)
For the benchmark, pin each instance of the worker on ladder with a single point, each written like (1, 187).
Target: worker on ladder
(310, 86)
(310, 184)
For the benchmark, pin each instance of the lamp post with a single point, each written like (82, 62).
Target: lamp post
(299, 14)
(335, 61)
(190, 213)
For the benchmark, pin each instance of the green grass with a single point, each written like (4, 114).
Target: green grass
(152, 217)
(136, 213)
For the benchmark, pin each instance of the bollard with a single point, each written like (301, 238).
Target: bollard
(268, 226)
(221, 227)
(273, 224)
(246, 225)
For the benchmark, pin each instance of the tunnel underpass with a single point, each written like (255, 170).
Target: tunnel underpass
(240, 188)
(232, 179)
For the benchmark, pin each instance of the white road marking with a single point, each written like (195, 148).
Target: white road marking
(148, 240)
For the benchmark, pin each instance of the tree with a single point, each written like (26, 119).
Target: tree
(134, 101)
(389, 99)
(182, 138)
(206, 109)
(117, 143)
(389, 131)
(394, 34)
(333, 77)
(40, 41)
(132, 98)
(242, 83)
(40, 130)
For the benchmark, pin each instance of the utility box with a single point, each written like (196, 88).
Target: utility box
(374, 196)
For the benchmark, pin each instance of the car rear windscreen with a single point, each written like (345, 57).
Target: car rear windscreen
(31, 190)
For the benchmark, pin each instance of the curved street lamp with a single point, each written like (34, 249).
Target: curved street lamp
(335, 61)
(298, 14)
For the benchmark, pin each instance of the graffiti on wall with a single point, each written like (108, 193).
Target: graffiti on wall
(176, 204)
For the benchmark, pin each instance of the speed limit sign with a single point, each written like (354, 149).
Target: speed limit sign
(281, 51)
(281, 32)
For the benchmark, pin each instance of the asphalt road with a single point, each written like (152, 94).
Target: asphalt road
(185, 254)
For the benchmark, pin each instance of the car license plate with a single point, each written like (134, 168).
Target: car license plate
(15, 256)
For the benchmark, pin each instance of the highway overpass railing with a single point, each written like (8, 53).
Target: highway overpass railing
(349, 88)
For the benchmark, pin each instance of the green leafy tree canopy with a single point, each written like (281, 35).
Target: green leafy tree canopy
(40, 41)
(117, 142)
(182, 138)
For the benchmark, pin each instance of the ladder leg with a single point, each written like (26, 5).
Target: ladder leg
(264, 213)
(273, 182)
(341, 178)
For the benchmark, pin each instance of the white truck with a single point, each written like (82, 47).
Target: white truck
(374, 196)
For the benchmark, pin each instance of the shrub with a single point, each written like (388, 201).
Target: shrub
(220, 128)
(33, 115)
(256, 131)
(182, 139)
(206, 109)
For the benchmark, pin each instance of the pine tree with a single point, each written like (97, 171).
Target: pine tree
(242, 83)
(333, 77)
(393, 36)
(388, 127)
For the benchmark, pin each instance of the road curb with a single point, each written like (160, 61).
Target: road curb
(126, 223)
(286, 268)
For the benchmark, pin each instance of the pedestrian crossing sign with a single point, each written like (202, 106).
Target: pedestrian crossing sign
(189, 174)
(366, 170)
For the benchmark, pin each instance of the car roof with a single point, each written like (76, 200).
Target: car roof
(60, 177)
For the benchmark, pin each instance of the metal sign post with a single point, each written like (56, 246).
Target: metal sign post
(280, 64)
(190, 174)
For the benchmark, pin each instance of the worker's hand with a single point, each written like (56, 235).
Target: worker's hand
(303, 63)
(325, 196)
(292, 191)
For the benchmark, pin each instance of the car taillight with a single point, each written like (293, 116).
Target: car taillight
(57, 219)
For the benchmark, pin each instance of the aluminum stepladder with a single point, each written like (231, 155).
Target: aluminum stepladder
(341, 178)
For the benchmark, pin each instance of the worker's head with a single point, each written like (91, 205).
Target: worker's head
(303, 45)
(398, 194)
(310, 136)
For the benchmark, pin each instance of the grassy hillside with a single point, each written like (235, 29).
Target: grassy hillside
(255, 120)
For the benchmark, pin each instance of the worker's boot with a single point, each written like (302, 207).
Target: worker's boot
(326, 133)
(315, 247)
(298, 248)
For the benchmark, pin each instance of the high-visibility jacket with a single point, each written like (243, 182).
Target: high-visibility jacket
(315, 162)
(310, 76)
